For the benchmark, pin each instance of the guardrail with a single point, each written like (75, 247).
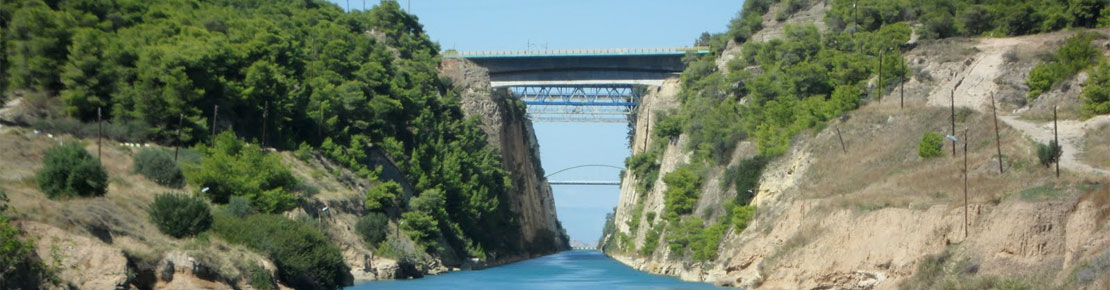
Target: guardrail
(573, 52)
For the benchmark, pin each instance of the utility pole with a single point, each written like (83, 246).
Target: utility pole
(1056, 138)
(997, 137)
(952, 97)
(180, 120)
(838, 136)
(965, 183)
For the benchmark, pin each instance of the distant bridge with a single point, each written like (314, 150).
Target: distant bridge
(586, 85)
(617, 183)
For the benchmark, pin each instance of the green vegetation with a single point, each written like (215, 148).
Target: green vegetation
(304, 72)
(232, 167)
(947, 18)
(383, 196)
(372, 227)
(1076, 54)
(158, 166)
(305, 258)
(745, 177)
(19, 264)
(1049, 153)
(931, 145)
(645, 167)
(260, 278)
(70, 171)
(683, 185)
(239, 207)
(180, 215)
(651, 240)
(1096, 91)
(421, 223)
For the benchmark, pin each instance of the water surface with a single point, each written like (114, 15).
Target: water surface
(579, 270)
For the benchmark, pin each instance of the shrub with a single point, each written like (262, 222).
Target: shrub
(69, 171)
(180, 215)
(745, 176)
(239, 207)
(259, 277)
(383, 196)
(1075, 55)
(232, 167)
(1049, 153)
(668, 127)
(741, 215)
(158, 166)
(682, 192)
(372, 227)
(305, 258)
(930, 145)
(651, 240)
(1096, 92)
(19, 265)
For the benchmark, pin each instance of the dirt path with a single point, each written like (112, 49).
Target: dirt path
(1071, 135)
(978, 74)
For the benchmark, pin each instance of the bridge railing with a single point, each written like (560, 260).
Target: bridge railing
(451, 53)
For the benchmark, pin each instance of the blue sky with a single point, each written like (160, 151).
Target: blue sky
(571, 24)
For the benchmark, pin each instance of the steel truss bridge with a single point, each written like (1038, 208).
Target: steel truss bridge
(590, 85)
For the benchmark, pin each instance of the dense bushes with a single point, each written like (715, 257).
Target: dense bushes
(645, 167)
(159, 166)
(350, 95)
(179, 215)
(305, 258)
(383, 196)
(683, 185)
(1096, 92)
(931, 145)
(68, 171)
(745, 177)
(19, 265)
(945, 18)
(1076, 54)
(372, 227)
(232, 167)
(1049, 153)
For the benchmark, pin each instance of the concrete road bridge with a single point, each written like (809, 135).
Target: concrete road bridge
(585, 85)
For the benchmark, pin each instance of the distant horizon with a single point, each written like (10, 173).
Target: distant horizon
(499, 25)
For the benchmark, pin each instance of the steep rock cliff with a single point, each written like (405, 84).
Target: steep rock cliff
(509, 130)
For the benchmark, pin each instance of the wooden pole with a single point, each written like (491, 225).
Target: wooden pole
(838, 136)
(215, 114)
(952, 97)
(965, 183)
(99, 133)
(997, 136)
(181, 119)
(1056, 138)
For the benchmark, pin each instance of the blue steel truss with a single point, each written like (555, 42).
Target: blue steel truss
(578, 103)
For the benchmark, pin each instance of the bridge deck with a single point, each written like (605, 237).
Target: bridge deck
(575, 52)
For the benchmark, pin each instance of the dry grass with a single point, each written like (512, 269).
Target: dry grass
(881, 168)
(119, 218)
(1096, 147)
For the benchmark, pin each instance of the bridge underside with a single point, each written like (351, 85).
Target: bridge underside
(606, 103)
(581, 86)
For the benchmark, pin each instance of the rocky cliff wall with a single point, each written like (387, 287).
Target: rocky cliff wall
(509, 130)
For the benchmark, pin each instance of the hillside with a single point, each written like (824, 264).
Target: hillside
(323, 147)
(781, 163)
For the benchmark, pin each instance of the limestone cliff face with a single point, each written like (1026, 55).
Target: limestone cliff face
(509, 130)
(872, 214)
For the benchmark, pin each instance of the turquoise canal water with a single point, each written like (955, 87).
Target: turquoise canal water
(579, 270)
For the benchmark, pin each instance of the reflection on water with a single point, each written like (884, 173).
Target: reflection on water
(578, 270)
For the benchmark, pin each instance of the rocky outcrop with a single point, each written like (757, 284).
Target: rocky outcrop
(510, 131)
